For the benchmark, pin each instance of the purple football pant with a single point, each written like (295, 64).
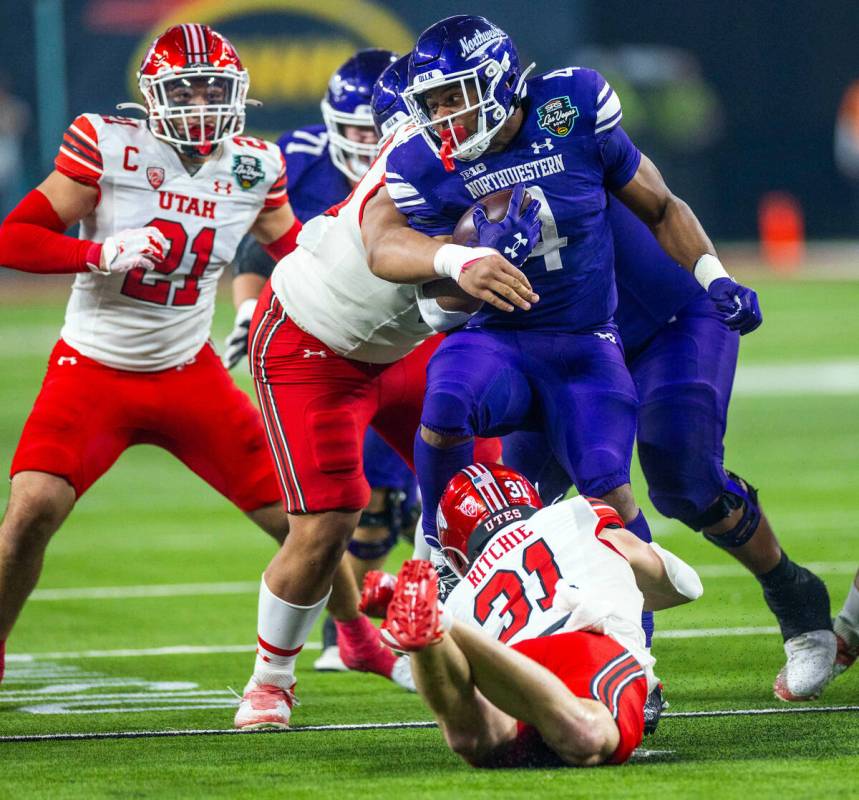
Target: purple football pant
(574, 388)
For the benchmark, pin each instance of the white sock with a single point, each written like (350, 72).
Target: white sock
(282, 630)
(422, 548)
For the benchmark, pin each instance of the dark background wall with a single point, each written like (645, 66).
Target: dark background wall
(733, 99)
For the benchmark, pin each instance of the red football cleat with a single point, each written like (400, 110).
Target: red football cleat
(265, 706)
(377, 592)
(844, 658)
(413, 619)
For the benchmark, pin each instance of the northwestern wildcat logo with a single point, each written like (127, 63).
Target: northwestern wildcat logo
(557, 116)
(248, 171)
(155, 176)
(476, 43)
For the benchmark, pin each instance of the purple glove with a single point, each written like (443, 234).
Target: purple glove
(514, 236)
(738, 305)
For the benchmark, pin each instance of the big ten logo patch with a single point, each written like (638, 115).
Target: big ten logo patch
(290, 48)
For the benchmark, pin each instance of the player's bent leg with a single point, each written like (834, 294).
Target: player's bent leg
(38, 505)
(272, 519)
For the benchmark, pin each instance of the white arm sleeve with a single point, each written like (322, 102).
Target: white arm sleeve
(435, 316)
(683, 578)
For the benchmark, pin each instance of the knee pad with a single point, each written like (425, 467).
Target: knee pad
(390, 517)
(445, 411)
(370, 551)
(736, 494)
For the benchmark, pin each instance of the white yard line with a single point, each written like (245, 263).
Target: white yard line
(798, 378)
(151, 590)
(193, 650)
(376, 726)
(252, 587)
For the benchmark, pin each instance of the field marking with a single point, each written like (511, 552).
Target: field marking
(834, 377)
(146, 590)
(375, 726)
(193, 650)
(252, 587)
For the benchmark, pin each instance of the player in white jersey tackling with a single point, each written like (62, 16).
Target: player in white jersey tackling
(163, 203)
(538, 656)
(333, 349)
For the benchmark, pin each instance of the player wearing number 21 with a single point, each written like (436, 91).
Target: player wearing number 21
(163, 202)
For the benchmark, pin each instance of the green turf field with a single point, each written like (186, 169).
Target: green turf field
(177, 568)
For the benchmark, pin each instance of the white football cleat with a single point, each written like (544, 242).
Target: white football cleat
(809, 666)
(265, 706)
(401, 674)
(330, 661)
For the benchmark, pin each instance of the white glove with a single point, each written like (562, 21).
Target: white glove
(127, 250)
(683, 578)
(236, 344)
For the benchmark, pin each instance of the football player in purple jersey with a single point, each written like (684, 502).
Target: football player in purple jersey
(323, 163)
(666, 322)
(482, 125)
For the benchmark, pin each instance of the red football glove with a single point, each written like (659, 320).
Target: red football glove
(377, 592)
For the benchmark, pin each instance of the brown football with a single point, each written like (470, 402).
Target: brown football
(494, 206)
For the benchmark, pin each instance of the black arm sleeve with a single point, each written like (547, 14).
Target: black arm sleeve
(250, 257)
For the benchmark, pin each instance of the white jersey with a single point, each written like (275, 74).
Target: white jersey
(152, 320)
(509, 591)
(326, 287)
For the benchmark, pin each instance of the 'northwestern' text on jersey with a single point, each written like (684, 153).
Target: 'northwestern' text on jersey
(569, 152)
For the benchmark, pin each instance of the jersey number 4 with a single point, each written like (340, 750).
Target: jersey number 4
(141, 284)
(537, 559)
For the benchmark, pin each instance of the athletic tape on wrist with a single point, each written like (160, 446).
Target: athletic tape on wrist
(451, 258)
(707, 269)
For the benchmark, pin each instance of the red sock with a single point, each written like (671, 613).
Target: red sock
(361, 649)
(2, 658)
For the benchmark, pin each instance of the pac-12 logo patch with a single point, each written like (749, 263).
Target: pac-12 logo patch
(248, 171)
(155, 176)
(557, 116)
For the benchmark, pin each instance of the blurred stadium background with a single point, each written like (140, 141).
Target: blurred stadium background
(751, 109)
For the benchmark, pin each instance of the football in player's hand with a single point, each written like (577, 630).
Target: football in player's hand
(450, 297)
(495, 207)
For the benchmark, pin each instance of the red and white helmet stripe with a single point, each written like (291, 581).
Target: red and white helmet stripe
(196, 44)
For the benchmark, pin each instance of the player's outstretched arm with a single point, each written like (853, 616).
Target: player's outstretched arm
(664, 579)
(32, 238)
(681, 235)
(400, 254)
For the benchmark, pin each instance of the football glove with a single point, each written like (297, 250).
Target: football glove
(130, 249)
(236, 344)
(738, 304)
(514, 236)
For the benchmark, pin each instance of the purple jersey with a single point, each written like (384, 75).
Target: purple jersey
(313, 182)
(651, 286)
(569, 151)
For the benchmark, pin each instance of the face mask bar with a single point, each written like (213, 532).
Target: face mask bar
(188, 124)
(490, 115)
(456, 560)
(353, 159)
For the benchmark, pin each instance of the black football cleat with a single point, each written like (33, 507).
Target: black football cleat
(653, 708)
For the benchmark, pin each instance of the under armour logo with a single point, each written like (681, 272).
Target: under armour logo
(311, 353)
(609, 337)
(223, 187)
(521, 241)
(547, 145)
(66, 360)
